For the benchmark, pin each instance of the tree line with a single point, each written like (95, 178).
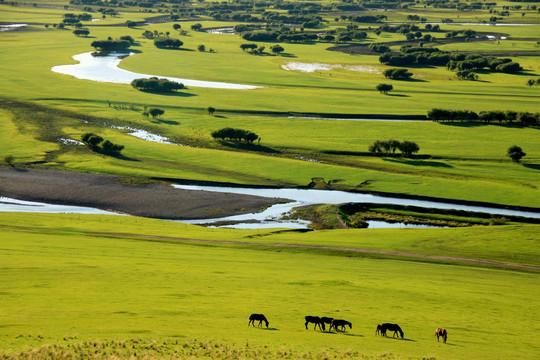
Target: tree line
(386, 147)
(157, 85)
(236, 135)
(524, 118)
(98, 144)
(416, 55)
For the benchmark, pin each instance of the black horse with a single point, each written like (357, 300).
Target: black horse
(326, 320)
(257, 317)
(392, 327)
(379, 330)
(316, 320)
(340, 323)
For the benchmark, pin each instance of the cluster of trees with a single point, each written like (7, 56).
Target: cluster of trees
(384, 88)
(257, 50)
(236, 135)
(480, 62)
(532, 82)
(525, 118)
(111, 45)
(379, 48)
(157, 85)
(98, 144)
(397, 74)
(166, 42)
(385, 147)
(467, 75)
(416, 55)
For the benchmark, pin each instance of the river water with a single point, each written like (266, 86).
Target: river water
(301, 197)
(105, 69)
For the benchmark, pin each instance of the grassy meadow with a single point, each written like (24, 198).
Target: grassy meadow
(69, 279)
(76, 286)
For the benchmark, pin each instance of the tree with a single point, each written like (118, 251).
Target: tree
(111, 149)
(211, 110)
(408, 147)
(176, 27)
(164, 42)
(91, 140)
(83, 32)
(384, 88)
(201, 48)
(9, 160)
(155, 112)
(515, 153)
(277, 49)
(196, 27)
(397, 74)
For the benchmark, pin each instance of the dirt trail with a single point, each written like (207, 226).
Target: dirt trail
(337, 248)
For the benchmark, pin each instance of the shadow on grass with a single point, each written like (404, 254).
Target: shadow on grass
(250, 147)
(287, 55)
(532, 166)
(467, 124)
(268, 329)
(166, 122)
(419, 162)
(397, 95)
(174, 93)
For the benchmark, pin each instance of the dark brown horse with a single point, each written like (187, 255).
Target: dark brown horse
(257, 317)
(440, 332)
(340, 323)
(316, 320)
(392, 327)
(326, 320)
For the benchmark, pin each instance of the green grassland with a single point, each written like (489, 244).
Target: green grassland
(64, 283)
(101, 283)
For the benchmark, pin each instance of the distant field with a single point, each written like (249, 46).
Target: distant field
(64, 285)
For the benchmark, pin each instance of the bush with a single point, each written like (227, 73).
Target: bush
(93, 141)
(384, 88)
(155, 84)
(397, 74)
(169, 43)
(236, 135)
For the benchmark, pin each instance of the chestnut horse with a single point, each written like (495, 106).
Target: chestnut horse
(257, 317)
(440, 332)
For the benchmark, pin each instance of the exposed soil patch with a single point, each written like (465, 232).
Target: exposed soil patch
(147, 199)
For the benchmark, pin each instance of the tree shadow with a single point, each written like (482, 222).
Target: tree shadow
(174, 93)
(220, 116)
(532, 166)
(250, 147)
(419, 163)
(166, 122)
(288, 55)
(397, 95)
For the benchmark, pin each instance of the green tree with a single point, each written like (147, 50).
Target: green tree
(384, 88)
(211, 110)
(408, 147)
(515, 153)
(201, 48)
(155, 112)
(91, 140)
(277, 49)
(9, 160)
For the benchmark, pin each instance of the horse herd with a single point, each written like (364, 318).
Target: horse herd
(338, 324)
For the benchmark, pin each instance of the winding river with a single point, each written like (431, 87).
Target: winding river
(105, 69)
(271, 217)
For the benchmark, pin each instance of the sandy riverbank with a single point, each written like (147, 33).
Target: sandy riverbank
(155, 200)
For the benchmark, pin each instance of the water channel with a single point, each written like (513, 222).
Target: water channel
(271, 217)
(105, 69)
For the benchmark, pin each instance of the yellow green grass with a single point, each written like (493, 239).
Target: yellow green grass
(65, 285)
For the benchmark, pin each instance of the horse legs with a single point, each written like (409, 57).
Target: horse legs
(306, 324)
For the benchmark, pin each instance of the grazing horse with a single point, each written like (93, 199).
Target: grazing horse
(257, 317)
(379, 330)
(392, 327)
(440, 332)
(335, 323)
(316, 320)
(326, 320)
